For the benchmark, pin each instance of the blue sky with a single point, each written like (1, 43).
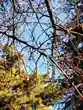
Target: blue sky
(42, 64)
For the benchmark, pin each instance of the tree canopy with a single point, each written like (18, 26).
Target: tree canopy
(42, 35)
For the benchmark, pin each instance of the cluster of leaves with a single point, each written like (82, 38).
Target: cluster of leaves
(15, 91)
(51, 94)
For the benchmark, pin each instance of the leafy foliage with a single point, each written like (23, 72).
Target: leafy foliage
(16, 91)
